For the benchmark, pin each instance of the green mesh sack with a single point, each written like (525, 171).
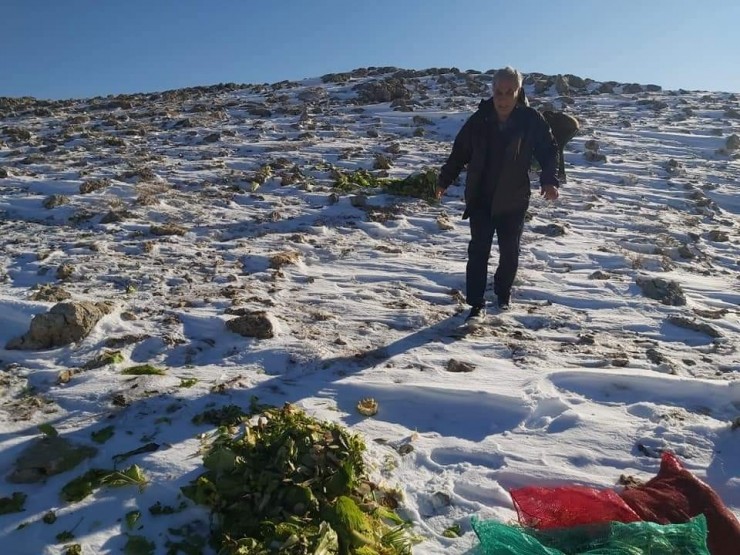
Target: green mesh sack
(616, 538)
(500, 539)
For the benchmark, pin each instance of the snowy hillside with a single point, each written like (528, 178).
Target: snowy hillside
(186, 209)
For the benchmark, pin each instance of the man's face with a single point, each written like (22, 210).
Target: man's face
(505, 93)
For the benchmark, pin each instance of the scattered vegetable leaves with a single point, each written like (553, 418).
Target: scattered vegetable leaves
(132, 517)
(138, 545)
(48, 430)
(101, 436)
(12, 504)
(65, 536)
(453, 531)
(143, 370)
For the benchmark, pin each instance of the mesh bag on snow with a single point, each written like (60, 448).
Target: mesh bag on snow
(567, 506)
(616, 538)
(675, 495)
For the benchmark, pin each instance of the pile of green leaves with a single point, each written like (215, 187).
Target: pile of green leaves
(283, 482)
(419, 185)
(355, 180)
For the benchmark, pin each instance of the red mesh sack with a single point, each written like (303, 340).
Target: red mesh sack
(562, 507)
(675, 495)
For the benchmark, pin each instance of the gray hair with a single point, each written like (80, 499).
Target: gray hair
(509, 74)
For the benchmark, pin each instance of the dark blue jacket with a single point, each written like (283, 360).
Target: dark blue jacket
(498, 173)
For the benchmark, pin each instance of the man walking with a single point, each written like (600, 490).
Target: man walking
(497, 143)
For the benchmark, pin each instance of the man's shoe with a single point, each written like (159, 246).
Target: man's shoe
(476, 314)
(504, 302)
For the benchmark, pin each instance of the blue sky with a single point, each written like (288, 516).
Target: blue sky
(80, 48)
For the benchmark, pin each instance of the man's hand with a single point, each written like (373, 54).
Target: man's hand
(438, 192)
(550, 192)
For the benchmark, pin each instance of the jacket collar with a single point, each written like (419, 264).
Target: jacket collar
(488, 111)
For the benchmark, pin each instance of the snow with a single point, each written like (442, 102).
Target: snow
(563, 391)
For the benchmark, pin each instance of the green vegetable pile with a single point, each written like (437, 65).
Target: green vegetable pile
(419, 185)
(283, 482)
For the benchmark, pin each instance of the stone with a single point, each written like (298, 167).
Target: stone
(52, 201)
(50, 293)
(456, 366)
(659, 289)
(254, 324)
(65, 323)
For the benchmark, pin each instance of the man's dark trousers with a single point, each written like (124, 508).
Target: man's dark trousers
(508, 228)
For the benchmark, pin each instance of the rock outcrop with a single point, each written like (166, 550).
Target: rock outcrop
(65, 323)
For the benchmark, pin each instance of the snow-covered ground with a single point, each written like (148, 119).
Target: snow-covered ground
(584, 380)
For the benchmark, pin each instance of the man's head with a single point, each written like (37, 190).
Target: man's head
(506, 85)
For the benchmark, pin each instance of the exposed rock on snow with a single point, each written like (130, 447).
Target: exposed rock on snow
(65, 323)
(254, 324)
(667, 292)
(51, 294)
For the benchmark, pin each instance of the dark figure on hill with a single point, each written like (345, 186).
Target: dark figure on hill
(564, 128)
(497, 143)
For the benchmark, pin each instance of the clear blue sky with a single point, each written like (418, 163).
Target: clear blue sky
(79, 48)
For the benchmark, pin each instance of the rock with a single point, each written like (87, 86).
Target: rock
(115, 216)
(3, 173)
(632, 88)
(65, 271)
(313, 95)
(719, 236)
(382, 162)
(655, 356)
(459, 366)
(732, 143)
(284, 258)
(50, 293)
(444, 223)
(259, 110)
(541, 86)
(421, 120)
(212, 138)
(592, 145)
(52, 201)
(674, 167)
(551, 230)
(685, 252)
(167, 229)
(47, 457)
(358, 201)
(667, 292)
(17, 133)
(375, 92)
(592, 156)
(65, 323)
(255, 324)
(561, 85)
(92, 185)
(575, 82)
(690, 324)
